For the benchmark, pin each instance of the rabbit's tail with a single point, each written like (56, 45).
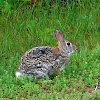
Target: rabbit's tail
(18, 74)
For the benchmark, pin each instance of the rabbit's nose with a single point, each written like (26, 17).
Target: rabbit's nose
(75, 47)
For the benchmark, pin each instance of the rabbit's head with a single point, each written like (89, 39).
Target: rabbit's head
(64, 45)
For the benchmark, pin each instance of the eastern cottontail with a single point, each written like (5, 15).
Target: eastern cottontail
(43, 60)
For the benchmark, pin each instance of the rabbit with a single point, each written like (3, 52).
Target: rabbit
(42, 61)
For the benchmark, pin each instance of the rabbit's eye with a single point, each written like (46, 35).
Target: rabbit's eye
(68, 43)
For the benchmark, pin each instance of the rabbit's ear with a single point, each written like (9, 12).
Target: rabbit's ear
(58, 35)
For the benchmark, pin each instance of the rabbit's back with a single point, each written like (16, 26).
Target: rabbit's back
(38, 61)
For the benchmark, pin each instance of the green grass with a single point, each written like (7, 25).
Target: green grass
(23, 29)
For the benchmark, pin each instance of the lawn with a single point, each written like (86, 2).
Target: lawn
(23, 28)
